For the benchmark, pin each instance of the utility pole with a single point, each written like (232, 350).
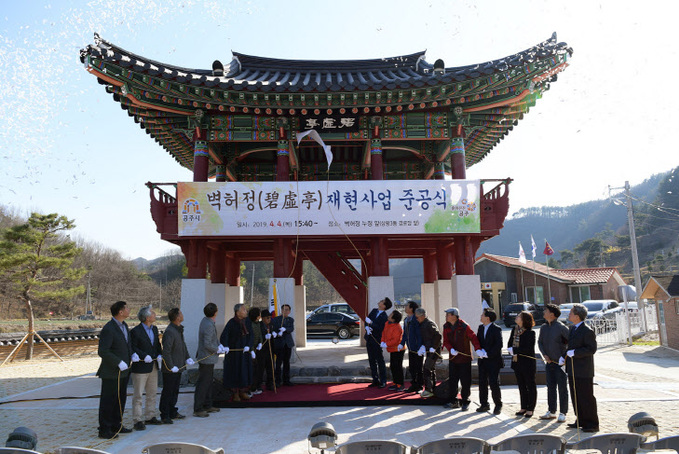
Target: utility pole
(635, 256)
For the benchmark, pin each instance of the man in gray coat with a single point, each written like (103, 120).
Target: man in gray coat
(553, 344)
(175, 357)
(207, 355)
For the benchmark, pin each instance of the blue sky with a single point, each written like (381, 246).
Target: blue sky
(66, 146)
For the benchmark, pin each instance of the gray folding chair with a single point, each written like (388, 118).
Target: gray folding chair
(663, 443)
(77, 450)
(372, 447)
(616, 443)
(533, 444)
(17, 451)
(179, 448)
(454, 445)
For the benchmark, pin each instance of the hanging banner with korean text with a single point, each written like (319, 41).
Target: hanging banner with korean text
(399, 207)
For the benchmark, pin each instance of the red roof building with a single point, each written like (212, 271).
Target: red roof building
(664, 292)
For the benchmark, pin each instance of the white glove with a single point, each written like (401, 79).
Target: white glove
(274, 334)
(220, 349)
(253, 354)
(122, 366)
(432, 350)
(174, 370)
(190, 362)
(421, 351)
(135, 358)
(400, 347)
(485, 353)
(369, 330)
(226, 350)
(452, 352)
(259, 346)
(268, 336)
(148, 359)
(562, 361)
(281, 331)
(479, 353)
(368, 321)
(571, 353)
(510, 350)
(383, 345)
(246, 349)
(160, 361)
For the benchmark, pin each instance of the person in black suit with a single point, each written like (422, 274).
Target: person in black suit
(283, 326)
(115, 351)
(521, 346)
(490, 338)
(580, 369)
(374, 325)
(144, 371)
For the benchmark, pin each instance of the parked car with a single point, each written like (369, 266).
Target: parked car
(565, 310)
(343, 308)
(510, 312)
(337, 324)
(597, 310)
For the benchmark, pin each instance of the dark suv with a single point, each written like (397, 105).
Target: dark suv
(510, 312)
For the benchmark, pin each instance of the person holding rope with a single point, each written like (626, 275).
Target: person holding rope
(264, 359)
(115, 350)
(239, 355)
(208, 355)
(413, 340)
(490, 363)
(430, 350)
(553, 344)
(146, 345)
(391, 340)
(175, 358)
(579, 361)
(521, 346)
(254, 323)
(374, 325)
(457, 335)
(283, 326)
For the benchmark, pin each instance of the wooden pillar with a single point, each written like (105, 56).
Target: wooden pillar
(201, 159)
(283, 161)
(221, 173)
(444, 260)
(298, 272)
(283, 258)
(232, 272)
(458, 161)
(376, 163)
(217, 266)
(439, 171)
(195, 253)
(379, 254)
(464, 256)
(429, 266)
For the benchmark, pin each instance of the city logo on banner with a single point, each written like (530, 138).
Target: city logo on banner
(191, 211)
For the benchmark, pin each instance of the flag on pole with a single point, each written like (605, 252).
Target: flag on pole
(534, 248)
(548, 249)
(522, 255)
(273, 304)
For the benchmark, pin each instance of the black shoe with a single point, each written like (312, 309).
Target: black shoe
(288, 383)
(373, 385)
(124, 430)
(178, 416)
(591, 429)
(393, 388)
(139, 426)
(520, 413)
(452, 405)
(412, 389)
(382, 385)
(483, 408)
(167, 421)
(497, 410)
(107, 435)
(465, 406)
(201, 414)
(573, 425)
(153, 421)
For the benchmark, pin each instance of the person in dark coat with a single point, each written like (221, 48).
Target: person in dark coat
(430, 350)
(553, 344)
(238, 363)
(413, 340)
(144, 372)
(283, 327)
(254, 325)
(264, 359)
(207, 354)
(115, 350)
(521, 346)
(175, 358)
(374, 325)
(580, 369)
(490, 339)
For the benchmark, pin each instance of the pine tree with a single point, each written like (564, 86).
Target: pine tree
(37, 259)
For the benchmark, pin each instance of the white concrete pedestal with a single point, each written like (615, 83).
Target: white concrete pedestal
(467, 298)
(300, 321)
(195, 294)
(428, 298)
(444, 299)
(379, 287)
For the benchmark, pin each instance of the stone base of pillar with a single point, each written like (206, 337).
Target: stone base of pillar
(379, 287)
(443, 292)
(428, 298)
(300, 321)
(467, 298)
(217, 295)
(195, 293)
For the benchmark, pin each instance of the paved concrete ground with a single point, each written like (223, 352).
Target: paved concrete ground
(629, 380)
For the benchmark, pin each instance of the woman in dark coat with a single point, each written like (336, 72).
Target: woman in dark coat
(238, 364)
(521, 346)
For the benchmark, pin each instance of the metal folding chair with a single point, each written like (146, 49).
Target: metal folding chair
(532, 444)
(454, 445)
(372, 447)
(17, 451)
(616, 443)
(663, 443)
(179, 448)
(77, 450)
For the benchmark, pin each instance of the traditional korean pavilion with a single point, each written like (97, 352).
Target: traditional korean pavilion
(394, 122)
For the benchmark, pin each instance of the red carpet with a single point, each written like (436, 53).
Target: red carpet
(340, 394)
